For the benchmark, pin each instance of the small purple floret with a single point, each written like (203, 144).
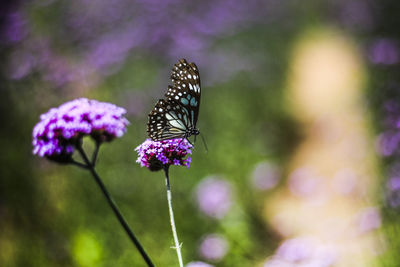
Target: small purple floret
(59, 130)
(157, 154)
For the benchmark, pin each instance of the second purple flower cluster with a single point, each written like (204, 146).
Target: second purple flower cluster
(156, 154)
(59, 130)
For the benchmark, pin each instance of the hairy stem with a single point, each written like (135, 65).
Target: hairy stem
(171, 215)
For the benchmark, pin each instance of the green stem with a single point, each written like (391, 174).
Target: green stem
(171, 215)
(115, 209)
(73, 162)
(95, 153)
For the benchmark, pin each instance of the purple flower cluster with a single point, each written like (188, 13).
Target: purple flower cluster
(154, 155)
(59, 130)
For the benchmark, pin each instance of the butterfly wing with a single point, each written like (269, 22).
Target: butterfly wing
(166, 121)
(178, 112)
(186, 88)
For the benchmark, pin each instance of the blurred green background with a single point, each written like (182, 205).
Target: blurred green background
(120, 51)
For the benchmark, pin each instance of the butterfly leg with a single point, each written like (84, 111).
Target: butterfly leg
(183, 138)
(189, 142)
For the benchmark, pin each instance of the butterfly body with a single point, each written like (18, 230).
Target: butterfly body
(176, 115)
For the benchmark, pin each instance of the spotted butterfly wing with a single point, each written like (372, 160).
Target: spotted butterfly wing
(176, 115)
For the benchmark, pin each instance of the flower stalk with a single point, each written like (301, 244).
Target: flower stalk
(171, 215)
(160, 155)
(90, 166)
(61, 130)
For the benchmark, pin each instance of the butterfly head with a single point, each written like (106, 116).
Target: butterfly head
(192, 131)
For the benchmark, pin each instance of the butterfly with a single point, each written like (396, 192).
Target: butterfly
(176, 115)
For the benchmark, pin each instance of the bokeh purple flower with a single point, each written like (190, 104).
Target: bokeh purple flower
(302, 252)
(384, 51)
(15, 28)
(103, 34)
(295, 250)
(198, 264)
(344, 181)
(213, 247)
(388, 142)
(154, 155)
(303, 182)
(368, 219)
(388, 145)
(393, 192)
(60, 129)
(214, 196)
(356, 15)
(265, 176)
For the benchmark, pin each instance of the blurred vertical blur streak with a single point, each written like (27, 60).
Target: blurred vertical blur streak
(330, 195)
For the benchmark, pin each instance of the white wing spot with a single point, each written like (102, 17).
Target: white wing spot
(160, 109)
(176, 97)
(190, 76)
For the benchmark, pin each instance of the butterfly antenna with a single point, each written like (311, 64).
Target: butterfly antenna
(204, 142)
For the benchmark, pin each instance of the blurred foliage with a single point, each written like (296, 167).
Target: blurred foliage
(53, 215)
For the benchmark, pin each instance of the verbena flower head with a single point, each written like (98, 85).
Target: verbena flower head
(59, 130)
(154, 155)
